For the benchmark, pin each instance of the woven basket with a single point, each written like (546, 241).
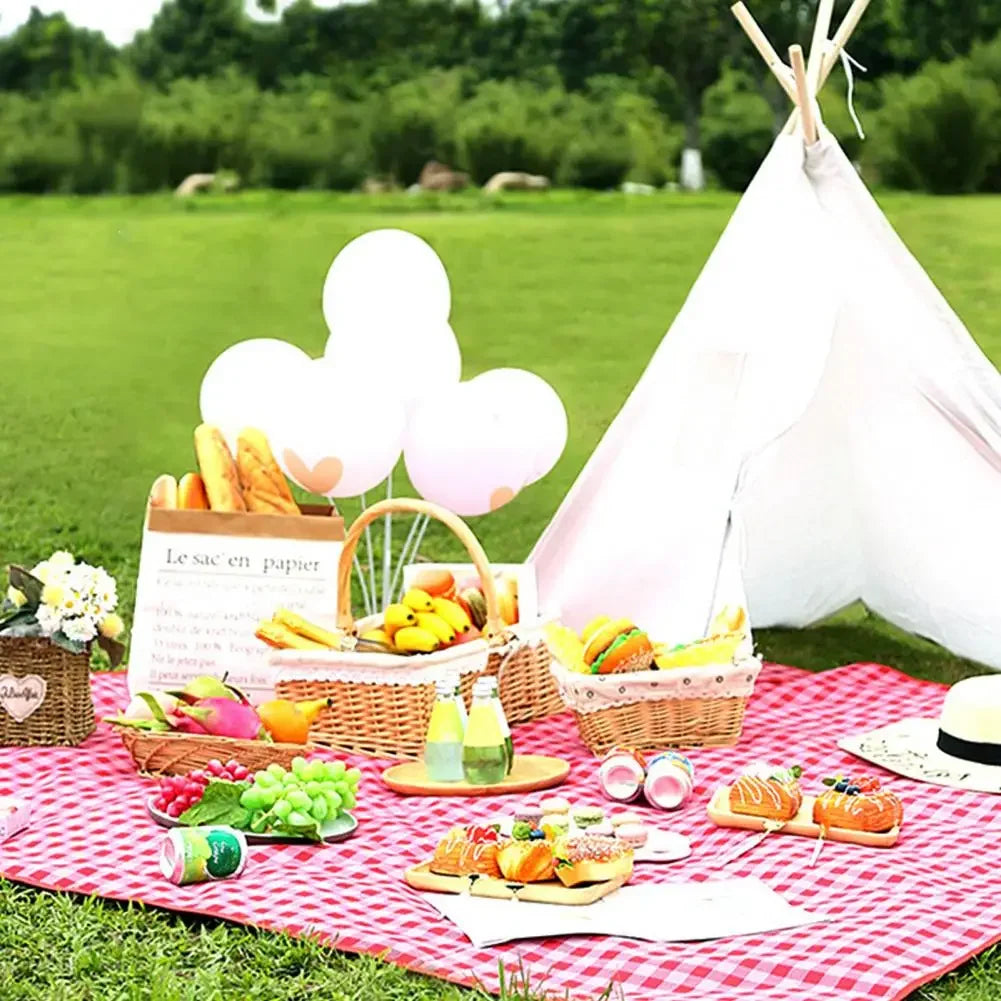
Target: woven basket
(180, 753)
(382, 702)
(654, 710)
(35, 667)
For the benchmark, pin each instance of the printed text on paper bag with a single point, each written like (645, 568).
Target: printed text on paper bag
(270, 566)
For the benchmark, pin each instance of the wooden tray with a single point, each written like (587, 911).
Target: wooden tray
(802, 824)
(530, 772)
(420, 877)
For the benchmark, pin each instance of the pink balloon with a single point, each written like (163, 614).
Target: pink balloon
(462, 451)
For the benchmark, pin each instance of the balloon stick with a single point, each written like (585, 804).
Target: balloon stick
(387, 545)
(406, 555)
(371, 558)
(369, 610)
(417, 542)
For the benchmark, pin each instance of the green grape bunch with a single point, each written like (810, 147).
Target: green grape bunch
(298, 802)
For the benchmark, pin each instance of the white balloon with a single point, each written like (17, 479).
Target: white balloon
(409, 361)
(537, 410)
(239, 388)
(460, 452)
(383, 277)
(335, 436)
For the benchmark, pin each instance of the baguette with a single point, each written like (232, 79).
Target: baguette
(264, 486)
(191, 494)
(163, 493)
(222, 482)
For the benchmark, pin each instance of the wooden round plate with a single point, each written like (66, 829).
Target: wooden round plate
(530, 772)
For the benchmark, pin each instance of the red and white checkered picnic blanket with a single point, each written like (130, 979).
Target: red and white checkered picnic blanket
(900, 916)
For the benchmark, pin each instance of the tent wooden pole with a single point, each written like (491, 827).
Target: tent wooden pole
(764, 47)
(803, 96)
(818, 45)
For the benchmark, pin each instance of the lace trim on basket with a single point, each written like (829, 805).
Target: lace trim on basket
(587, 693)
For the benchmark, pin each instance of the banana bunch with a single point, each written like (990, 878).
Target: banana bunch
(421, 623)
(286, 630)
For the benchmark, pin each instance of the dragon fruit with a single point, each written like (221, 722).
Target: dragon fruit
(222, 717)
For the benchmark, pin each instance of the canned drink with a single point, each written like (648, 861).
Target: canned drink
(621, 774)
(200, 854)
(670, 779)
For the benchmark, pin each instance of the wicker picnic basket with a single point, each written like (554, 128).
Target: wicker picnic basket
(381, 702)
(653, 710)
(180, 753)
(45, 696)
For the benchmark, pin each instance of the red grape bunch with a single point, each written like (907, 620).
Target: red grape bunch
(180, 792)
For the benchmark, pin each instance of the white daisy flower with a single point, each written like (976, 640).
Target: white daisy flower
(62, 560)
(48, 619)
(80, 629)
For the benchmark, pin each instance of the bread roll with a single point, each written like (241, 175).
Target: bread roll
(222, 482)
(191, 494)
(265, 488)
(527, 861)
(163, 493)
(592, 859)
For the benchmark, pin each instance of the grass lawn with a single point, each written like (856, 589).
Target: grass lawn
(110, 311)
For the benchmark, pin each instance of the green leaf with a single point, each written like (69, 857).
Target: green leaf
(31, 587)
(155, 708)
(220, 804)
(19, 619)
(114, 649)
(137, 724)
(73, 646)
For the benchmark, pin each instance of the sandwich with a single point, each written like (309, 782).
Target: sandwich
(589, 858)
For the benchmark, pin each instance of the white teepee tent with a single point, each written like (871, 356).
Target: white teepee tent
(817, 427)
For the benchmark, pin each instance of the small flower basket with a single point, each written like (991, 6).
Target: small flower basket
(49, 620)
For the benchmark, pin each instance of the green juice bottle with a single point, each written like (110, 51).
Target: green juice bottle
(502, 722)
(443, 747)
(484, 756)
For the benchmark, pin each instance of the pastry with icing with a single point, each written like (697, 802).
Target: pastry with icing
(466, 851)
(769, 792)
(858, 804)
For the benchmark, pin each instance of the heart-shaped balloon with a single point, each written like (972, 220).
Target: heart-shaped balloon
(20, 697)
(321, 478)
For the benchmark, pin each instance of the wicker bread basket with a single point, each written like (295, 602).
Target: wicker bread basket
(381, 703)
(652, 710)
(180, 753)
(52, 686)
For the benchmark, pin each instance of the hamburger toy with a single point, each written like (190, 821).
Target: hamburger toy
(614, 646)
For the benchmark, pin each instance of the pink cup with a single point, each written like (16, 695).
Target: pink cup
(670, 779)
(621, 774)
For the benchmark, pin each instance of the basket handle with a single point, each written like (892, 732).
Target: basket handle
(407, 505)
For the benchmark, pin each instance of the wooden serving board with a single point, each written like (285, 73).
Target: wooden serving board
(802, 824)
(530, 772)
(420, 877)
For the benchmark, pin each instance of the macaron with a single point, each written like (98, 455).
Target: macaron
(634, 835)
(556, 805)
(626, 818)
(603, 828)
(555, 825)
(529, 813)
(587, 816)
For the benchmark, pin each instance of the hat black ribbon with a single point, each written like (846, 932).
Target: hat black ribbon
(969, 750)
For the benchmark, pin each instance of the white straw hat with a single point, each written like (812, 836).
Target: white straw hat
(962, 748)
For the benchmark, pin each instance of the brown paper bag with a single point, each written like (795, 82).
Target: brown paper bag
(206, 578)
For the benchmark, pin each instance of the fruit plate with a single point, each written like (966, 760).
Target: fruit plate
(802, 824)
(331, 831)
(530, 772)
(420, 877)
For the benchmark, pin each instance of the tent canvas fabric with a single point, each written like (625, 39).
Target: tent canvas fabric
(817, 427)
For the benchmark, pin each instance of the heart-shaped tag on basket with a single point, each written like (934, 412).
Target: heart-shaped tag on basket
(20, 697)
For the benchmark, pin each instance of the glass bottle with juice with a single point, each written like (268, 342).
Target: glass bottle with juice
(443, 747)
(502, 722)
(484, 756)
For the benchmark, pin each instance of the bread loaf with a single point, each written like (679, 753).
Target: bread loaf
(163, 493)
(264, 486)
(191, 494)
(222, 482)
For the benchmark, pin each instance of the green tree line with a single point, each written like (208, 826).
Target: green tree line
(588, 92)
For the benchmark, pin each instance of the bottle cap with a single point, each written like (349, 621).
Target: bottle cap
(481, 688)
(444, 688)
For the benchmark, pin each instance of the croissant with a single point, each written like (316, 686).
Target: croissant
(527, 861)
(265, 488)
(765, 797)
(222, 483)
